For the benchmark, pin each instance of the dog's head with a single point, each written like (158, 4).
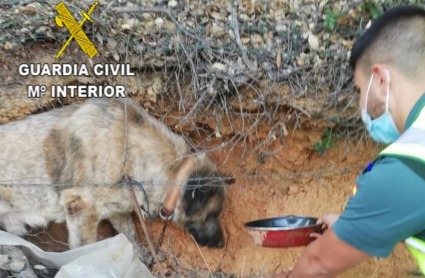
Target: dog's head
(201, 204)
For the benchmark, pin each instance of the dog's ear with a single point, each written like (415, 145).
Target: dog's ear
(195, 199)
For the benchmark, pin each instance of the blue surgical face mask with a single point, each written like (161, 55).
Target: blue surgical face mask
(382, 129)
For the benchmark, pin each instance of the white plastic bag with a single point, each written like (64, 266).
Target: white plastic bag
(109, 258)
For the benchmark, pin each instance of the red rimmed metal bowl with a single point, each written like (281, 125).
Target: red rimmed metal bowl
(283, 232)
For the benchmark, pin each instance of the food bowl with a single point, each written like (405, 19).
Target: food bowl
(283, 232)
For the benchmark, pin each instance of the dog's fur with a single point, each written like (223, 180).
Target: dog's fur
(52, 166)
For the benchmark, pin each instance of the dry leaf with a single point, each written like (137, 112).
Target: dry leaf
(300, 61)
(30, 10)
(326, 36)
(172, 3)
(8, 46)
(279, 59)
(256, 38)
(318, 61)
(159, 22)
(125, 26)
(116, 56)
(313, 41)
(344, 20)
(280, 28)
(146, 16)
(334, 38)
(112, 44)
(132, 22)
(285, 130)
(245, 40)
(270, 35)
(319, 36)
(99, 38)
(91, 62)
(217, 30)
(219, 66)
(216, 15)
(322, 6)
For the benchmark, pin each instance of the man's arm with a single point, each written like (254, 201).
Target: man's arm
(327, 256)
(373, 221)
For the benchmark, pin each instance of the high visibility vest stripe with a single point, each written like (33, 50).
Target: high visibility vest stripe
(420, 121)
(416, 243)
(411, 144)
(409, 150)
(416, 247)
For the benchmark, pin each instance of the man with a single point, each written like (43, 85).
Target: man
(387, 203)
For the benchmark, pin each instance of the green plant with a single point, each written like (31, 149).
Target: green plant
(328, 142)
(331, 19)
(374, 8)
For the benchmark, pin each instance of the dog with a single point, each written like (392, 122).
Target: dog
(58, 166)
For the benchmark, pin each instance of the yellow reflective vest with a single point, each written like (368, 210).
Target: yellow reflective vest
(411, 144)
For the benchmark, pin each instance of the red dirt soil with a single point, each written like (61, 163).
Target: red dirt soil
(310, 194)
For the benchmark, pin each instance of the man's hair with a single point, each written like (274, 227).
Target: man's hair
(398, 38)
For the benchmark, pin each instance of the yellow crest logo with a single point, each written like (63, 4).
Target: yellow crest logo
(66, 19)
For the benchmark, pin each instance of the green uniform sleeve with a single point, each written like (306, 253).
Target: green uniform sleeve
(388, 207)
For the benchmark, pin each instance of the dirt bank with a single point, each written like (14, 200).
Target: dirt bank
(296, 180)
(302, 192)
(278, 180)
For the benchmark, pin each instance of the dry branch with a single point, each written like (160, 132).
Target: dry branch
(153, 10)
(248, 62)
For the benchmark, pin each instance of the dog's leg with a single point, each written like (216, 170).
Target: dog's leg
(16, 228)
(82, 229)
(124, 224)
(82, 222)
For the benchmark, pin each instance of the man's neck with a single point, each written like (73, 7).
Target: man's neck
(405, 104)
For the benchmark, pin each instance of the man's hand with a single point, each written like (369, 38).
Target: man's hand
(283, 274)
(328, 219)
(327, 257)
(280, 275)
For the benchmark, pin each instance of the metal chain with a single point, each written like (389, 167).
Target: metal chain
(161, 237)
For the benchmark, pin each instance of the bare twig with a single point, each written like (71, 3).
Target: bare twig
(202, 256)
(147, 9)
(243, 265)
(376, 268)
(299, 109)
(249, 64)
(176, 260)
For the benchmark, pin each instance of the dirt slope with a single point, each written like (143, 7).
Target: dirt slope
(324, 188)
